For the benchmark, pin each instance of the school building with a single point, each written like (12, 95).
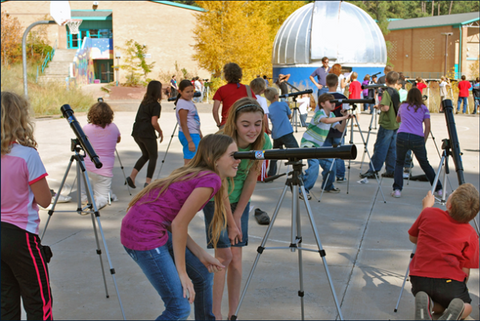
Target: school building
(165, 27)
(430, 47)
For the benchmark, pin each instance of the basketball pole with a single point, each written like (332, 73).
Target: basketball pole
(24, 51)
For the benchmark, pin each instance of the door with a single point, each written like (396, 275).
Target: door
(75, 41)
(104, 70)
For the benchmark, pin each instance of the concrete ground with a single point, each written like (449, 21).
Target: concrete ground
(365, 239)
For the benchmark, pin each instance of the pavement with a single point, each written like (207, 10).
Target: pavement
(365, 239)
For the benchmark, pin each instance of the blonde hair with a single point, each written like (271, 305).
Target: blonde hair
(16, 124)
(210, 149)
(257, 85)
(241, 106)
(465, 203)
(270, 93)
(354, 75)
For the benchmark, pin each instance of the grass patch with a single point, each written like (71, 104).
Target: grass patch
(47, 98)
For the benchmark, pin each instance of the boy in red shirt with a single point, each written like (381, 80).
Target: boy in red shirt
(447, 248)
(463, 87)
(421, 85)
(355, 90)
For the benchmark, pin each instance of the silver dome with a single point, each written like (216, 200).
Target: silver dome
(339, 30)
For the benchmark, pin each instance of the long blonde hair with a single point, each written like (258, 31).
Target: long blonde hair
(244, 105)
(210, 149)
(16, 124)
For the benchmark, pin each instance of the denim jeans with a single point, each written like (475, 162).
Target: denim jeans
(406, 141)
(322, 91)
(289, 141)
(303, 119)
(159, 267)
(311, 174)
(384, 150)
(408, 160)
(476, 105)
(339, 163)
(465, 103)
(367, 107)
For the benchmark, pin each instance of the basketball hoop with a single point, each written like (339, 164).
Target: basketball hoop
(73, 25)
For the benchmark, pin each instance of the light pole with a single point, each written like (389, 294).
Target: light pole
(117, 67)
(446, 48)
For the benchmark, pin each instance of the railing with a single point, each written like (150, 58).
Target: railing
(49, 57)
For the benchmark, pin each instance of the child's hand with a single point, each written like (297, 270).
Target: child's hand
(191, 146)
(428, 200)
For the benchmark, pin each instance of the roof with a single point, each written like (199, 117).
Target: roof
(184, 6)
(436, 21)
(92, 14)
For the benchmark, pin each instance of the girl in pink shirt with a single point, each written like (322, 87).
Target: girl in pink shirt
(24, 264)
(104, 136)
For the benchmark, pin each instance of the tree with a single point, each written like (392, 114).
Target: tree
(135, 63)
(11, 37)
(239, 31)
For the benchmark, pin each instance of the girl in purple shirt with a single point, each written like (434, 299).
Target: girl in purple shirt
(411, 135)
(155, 230)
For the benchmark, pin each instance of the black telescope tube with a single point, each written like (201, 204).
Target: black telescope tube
(67, 112)
(308, 91)
(455, 145)
(353, 101)
(342, 152)
(373, 86)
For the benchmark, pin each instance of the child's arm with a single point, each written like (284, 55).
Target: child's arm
(266, 127)
(157, 127)
(216, 107)
(234, 233)
(41, 192)
(413, 239)
(426, 121)
(182, 114)
(181, 240)
(467, 272)
(428, 200)
(247, 191)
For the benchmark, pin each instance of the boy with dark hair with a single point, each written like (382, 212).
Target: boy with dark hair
(463, 87)
(384, 150)
(447, 248)
(282, 131)
(315, 136)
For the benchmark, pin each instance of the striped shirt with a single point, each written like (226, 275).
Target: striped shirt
(317, 131)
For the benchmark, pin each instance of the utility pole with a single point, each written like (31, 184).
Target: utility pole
(446, 48)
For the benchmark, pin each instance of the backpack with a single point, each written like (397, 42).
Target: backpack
(395, 96)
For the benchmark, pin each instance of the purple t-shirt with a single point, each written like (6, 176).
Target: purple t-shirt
(145, 225)
(411, 120)
(321, 75)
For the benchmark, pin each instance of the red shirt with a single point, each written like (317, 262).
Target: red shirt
(421, 86)
(444, 246)
(355, 89)
(463, 88)
(228, 95)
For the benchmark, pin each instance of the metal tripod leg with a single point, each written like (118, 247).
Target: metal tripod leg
(166, 151)
(368, 138)
(121, 166)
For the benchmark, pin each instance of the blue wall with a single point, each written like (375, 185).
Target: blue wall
(299, 76)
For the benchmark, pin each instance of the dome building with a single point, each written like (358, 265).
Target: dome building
(338, 30)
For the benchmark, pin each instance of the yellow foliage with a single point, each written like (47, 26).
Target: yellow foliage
(239, 31)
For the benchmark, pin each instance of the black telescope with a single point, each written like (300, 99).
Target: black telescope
(298, 93)
(67, 112)
(353, 101)
(373, 86)
(452, 133)
(195, 94)
(342, 152)
(375, 74)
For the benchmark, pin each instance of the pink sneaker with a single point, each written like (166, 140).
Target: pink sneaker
(396, 193)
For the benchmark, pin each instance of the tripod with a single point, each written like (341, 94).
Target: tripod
(294, 120)
(293, 183)
(166, 151)
(92, 208)
(444, 161)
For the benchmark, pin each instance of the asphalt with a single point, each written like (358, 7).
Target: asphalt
(365, 239)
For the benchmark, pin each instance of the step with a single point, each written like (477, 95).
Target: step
(52, 78)
(65, 55)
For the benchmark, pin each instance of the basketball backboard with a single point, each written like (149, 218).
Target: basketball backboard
(60, 12)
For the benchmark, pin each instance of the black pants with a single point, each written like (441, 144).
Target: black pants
(288, 141)
(149, 150)
(24, 274)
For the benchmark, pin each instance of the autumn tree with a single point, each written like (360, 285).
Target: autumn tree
(135, 64)
(239, 31)
(11, 37)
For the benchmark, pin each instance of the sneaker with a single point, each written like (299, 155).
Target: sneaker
(309, 197)
(341, 179)
(387, 174)
(334, 191)
(368, 174)
(454, 310)
(396, 193)
(407, 169)
(423, 306)
(61, 198)
(406, 175)
(439, 193)
(363, 181)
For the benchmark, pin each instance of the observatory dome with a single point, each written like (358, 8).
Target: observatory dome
(338, 30)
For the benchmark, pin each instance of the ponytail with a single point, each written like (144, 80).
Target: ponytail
(176, 100)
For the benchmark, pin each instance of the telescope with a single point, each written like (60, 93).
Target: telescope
(342, 152)
(298, 93)
(373, 86)
(377, 73)
(67, 112)
(353, 101)
(195, 94)
(454, 144)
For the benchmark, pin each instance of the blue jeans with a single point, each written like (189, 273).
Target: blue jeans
(159, 267)
(406, 141)
(384, 150)
(288, 141)
(339, 163)
(303, 119)
(367, 107)
(322, 91)
(465, 103)
(311, 174)
(476, 105)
